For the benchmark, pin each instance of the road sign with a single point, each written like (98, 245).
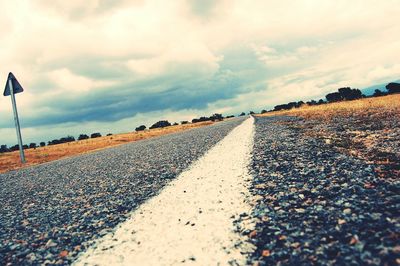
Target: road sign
(13, 87)
(17, 88)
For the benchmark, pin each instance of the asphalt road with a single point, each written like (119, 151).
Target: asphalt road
(49, 213)
(308, 202)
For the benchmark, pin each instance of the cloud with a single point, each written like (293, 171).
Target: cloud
(100, 62)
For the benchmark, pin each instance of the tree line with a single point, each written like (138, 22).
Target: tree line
(342, 94)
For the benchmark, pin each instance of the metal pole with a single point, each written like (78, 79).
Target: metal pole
(14, 105)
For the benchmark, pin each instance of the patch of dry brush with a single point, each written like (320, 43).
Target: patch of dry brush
(10, 160)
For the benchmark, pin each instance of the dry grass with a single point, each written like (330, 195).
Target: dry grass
(386, 105)
(10, 161)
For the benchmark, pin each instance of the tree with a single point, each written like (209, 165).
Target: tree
(42, 144)
(378, 93)
(251, 113)
(334, 97)
(350, 94)
(242, 114)
(109, 134)
(162, 123)
(95, 135)
(83, 136)
(184, 122)
(393, 87)
(263, 111)
(32, 145)
(3, 148)
(215, 117)
(140, 128)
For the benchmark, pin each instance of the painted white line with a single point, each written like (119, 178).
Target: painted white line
(191, 220)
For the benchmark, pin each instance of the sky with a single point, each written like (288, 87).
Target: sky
(109, 66)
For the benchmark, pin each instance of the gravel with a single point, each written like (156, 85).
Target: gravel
(316, 205)
(51, 212)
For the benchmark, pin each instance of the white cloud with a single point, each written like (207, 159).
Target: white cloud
(301, 49)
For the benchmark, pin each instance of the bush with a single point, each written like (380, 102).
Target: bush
(263, 111)
(42, 144)
(14, 148)
(160, 124)
(3, 148)
(184, 122)
(140, 128)
(95, 135)
(109, 134)
(334, 97)
(215, 117)
(378, 93)
(83, 136)
(393, 87)
(242, 114)
(32, 145)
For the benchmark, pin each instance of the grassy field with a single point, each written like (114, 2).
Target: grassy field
(10, 160)
(378, 106)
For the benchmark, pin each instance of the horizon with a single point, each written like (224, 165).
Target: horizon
(110, 67)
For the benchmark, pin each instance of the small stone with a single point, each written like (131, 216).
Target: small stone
(347, 211)
(266, 253)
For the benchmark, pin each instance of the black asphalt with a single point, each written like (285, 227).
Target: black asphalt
(49, 213)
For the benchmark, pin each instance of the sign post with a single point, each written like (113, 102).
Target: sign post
(13, 87)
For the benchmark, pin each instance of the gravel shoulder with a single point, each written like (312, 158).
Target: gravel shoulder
(50, 212)
(317, 204)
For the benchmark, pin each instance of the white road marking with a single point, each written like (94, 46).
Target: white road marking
(191, 220)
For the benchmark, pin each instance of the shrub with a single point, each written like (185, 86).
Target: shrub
(378, 93)
(393, 87)
(184, 122)
(95, 135)
(242, 114)
(160, 124)
(42, 144)
(83, 136)
(140, 128)
(32, 145)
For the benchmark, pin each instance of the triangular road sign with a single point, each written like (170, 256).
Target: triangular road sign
(17, 88)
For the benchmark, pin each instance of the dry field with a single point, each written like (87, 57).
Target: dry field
(10, 160)
(368, 129)
(378, 106)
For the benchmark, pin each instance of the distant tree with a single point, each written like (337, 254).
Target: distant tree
(393, 88)
(263, 111)
(378, 93)
(25, 147)
(216, 117)
(83, 136)
(140, 128)
(3, 148)
(334, 97)
(67, 139)
(201, 119)
(299, 104)
(32, 145)
(109, 134)
(311, 103)
(95, 135)
(42, 144)
(350, 94)
(230, 116)
(321, 101)
(184, 122)
(175, 124)
(251, 113)
(242, 114)
(14, 148)
(162, 123)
